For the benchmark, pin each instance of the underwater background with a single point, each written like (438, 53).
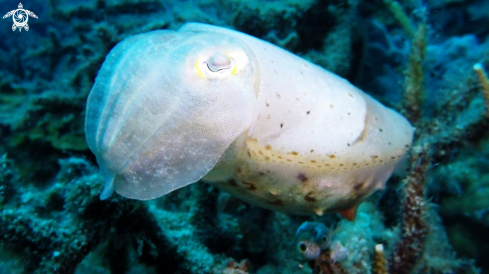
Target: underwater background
(414, 56)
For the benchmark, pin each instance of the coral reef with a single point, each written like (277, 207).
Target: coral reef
(427, 61)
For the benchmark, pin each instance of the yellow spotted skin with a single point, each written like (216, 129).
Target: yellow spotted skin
(297, 184)
(317, 143)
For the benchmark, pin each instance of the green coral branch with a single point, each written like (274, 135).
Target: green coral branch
(414, 93)
(484, 83)
(400, 15)
(414, 206)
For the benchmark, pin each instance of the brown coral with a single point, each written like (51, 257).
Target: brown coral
(379, 265)
(484, 83)
(414, 209)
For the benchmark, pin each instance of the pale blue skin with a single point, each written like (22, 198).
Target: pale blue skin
(169, 108)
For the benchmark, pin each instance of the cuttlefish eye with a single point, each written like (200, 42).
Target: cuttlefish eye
(219, 62)
(219, 65)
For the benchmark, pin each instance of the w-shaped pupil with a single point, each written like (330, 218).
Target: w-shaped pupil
(219, 62)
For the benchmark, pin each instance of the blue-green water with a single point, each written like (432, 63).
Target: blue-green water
(52, 220)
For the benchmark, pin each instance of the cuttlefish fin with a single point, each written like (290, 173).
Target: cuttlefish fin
(349, 213)
(109, 184)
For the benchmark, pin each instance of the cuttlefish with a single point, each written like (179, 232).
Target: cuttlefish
(170, 108)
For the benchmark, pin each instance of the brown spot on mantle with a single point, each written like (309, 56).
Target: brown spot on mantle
(309, 199)
(357, 186)
(249, 186)
(302, 177)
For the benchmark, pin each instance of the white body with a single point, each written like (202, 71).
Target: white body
(170, 108)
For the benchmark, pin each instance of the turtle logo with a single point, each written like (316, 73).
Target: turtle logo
(20, 17)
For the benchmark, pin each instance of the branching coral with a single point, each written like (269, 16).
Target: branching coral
(379, 265)
(431, 138)
(414, 227)
(402, 18)
(484, 83)
(414, 93)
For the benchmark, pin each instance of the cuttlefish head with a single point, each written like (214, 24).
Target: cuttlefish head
(165, 106)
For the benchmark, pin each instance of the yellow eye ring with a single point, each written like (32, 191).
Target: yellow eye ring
(219, 65)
